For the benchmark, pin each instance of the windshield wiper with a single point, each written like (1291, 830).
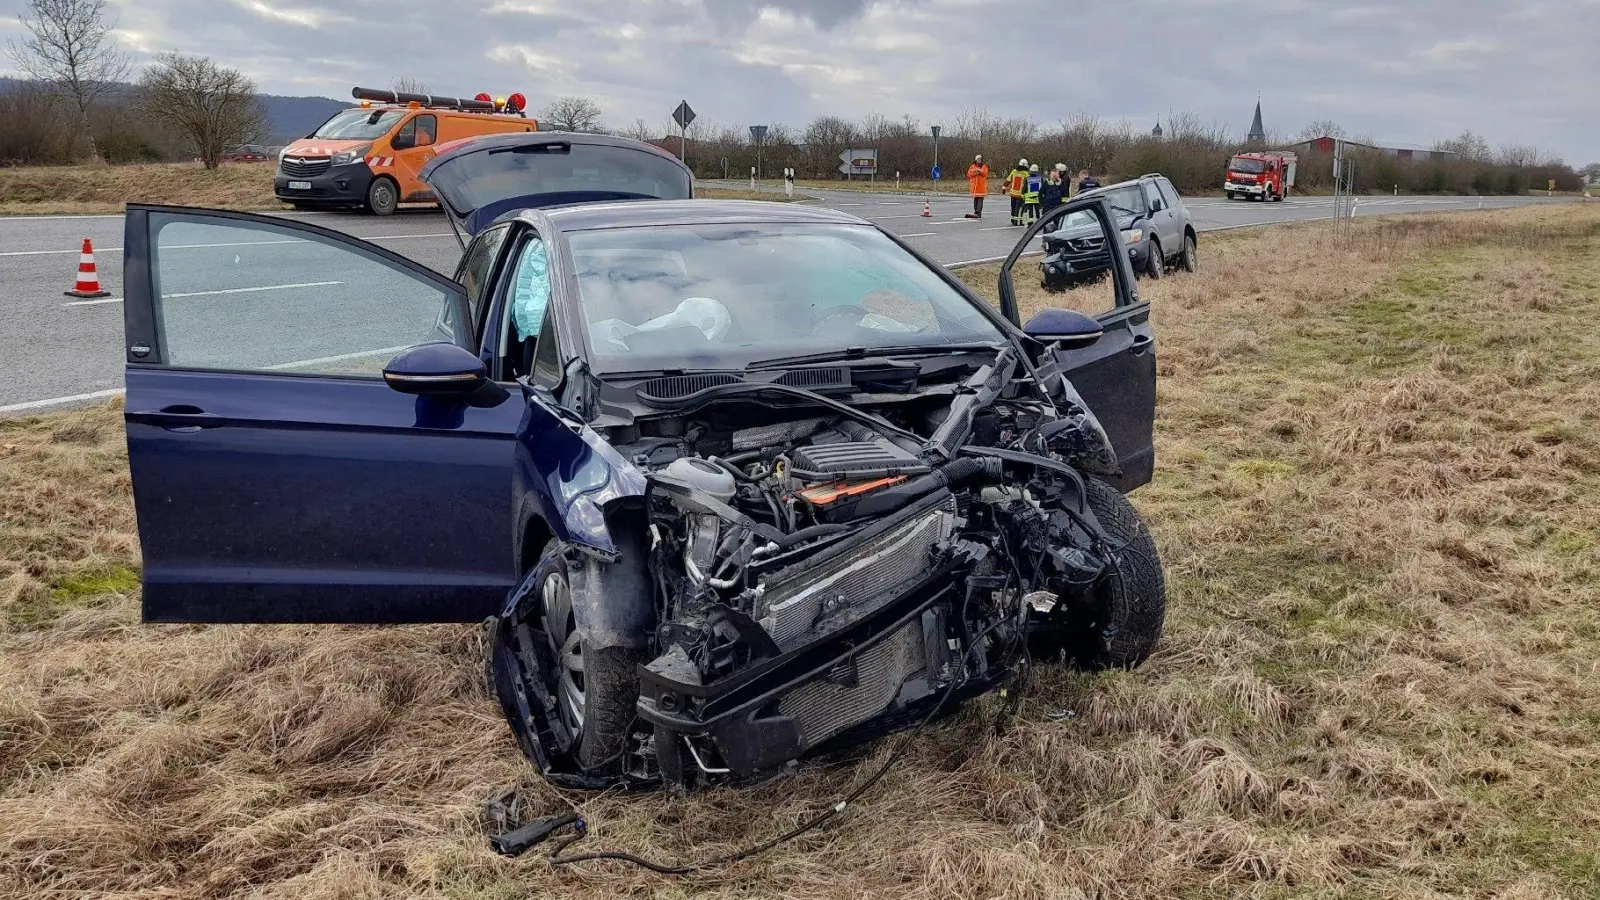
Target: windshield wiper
(851, 354)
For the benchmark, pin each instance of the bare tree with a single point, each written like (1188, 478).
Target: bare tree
(571, 114)
(1521, 155)
(409, 85)
(210, 106)
(1323, 128)
(1467, 146)
(70, 44)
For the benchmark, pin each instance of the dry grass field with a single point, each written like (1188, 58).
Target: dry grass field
(87, 190)
(1378, 498)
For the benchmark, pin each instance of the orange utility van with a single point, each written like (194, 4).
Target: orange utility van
(369, 156)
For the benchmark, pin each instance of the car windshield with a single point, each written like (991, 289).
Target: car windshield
(728, 295)
(1126, 201)
(359, 124)
(1248, 166)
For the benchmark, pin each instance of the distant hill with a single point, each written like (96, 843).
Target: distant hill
(287, 117)
(296, 117)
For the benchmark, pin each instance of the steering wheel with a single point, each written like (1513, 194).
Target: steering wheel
(838, 312)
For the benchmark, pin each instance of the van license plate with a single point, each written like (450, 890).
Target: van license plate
(299, 185)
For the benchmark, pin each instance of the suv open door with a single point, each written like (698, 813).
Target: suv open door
(1116, 374)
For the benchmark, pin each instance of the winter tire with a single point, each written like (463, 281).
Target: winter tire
(596, 689)
(383, 197)
(1156, 265)
(1122, 624)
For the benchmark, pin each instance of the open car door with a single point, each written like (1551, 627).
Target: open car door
(292, 459)
(1116, 374)
(481, 179)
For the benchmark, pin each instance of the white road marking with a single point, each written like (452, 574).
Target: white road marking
(380, 237)
(248, 290)
(59, 401)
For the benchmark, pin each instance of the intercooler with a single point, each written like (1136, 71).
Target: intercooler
(809, 600)
(851, 580)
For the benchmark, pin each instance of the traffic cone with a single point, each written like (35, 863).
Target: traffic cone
(88, 279)
(927, 209)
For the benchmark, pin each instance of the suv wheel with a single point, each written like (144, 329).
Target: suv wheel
(383, 197)
(1156, 264)
(1191, 256)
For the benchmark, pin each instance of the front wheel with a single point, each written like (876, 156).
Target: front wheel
(1122, 621)
(594, 689)
(1156, 263)
(383, 197)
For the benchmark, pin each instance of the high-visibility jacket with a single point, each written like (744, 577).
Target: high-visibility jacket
(1031, 188)
(978, 179)
(1016, 181)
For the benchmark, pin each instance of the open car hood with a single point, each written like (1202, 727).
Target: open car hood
(478, 180)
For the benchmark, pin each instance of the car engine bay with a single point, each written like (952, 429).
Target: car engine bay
(823, 573)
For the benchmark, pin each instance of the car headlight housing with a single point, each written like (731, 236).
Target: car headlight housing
(1133, 236)
(346, 157)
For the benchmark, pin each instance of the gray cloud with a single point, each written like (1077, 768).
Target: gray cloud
(1413, 72)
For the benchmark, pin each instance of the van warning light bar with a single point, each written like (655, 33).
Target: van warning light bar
(513, 104)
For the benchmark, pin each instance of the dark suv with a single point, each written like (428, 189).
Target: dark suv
(1155, 226)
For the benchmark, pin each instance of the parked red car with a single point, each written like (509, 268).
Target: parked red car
(246, 153)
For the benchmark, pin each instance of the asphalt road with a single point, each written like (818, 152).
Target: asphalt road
(58, 351)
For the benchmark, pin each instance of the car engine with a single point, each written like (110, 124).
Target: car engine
(824, 579)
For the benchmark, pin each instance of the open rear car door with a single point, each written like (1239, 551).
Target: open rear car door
(1115, 375)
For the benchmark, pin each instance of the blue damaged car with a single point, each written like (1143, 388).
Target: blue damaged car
(731, 483)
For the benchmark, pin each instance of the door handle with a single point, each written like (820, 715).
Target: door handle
(182, 418)
(1141, 343)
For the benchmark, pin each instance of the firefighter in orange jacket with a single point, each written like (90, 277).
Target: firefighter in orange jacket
(977, 185)
(1015, 183)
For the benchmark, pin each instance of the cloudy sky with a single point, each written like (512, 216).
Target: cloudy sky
(1412, 71)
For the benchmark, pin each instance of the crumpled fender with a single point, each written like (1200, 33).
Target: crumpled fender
(1094, 453)
(586, 494)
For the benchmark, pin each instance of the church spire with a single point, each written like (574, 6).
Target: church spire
(1257, 133)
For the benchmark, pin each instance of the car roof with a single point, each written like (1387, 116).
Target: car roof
(644, 213)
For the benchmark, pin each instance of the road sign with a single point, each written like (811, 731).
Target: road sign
(683, 115)
(935, 173)
(758, 133)
(936, 130)
(858, 162)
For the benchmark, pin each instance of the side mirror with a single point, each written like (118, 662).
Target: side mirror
(1069, 328)
(435, 368)
(403, 141)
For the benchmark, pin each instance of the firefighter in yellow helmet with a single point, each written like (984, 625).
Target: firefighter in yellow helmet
(1015, 182)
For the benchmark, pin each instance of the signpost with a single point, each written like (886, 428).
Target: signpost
(683, 115)
(936, 130)
(758, 133)
(788, 183)
(858, 162)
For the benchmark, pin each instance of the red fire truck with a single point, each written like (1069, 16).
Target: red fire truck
(1264, 175)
